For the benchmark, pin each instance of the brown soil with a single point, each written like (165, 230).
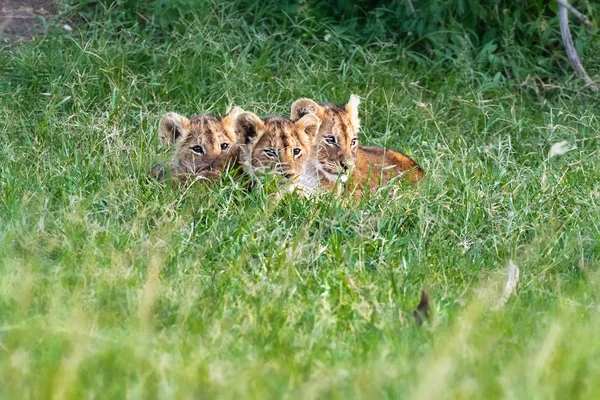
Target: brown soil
(21, 20)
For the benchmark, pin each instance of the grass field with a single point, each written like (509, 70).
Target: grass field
(112, 286)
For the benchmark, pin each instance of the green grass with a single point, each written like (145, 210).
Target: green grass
(112, 286)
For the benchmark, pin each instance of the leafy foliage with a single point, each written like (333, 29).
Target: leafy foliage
(511, 38)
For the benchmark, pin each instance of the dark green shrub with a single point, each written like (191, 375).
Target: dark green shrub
(509, 38)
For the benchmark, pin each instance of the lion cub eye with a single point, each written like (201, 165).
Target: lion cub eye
(353, 142)
(224, 146)
(197, 149)
(330, 139)
(271, 153)
(297, 152)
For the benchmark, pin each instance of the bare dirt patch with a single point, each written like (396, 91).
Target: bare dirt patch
(21, 20)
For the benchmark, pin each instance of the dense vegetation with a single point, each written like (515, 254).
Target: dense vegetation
(507, 38)
(112, 285)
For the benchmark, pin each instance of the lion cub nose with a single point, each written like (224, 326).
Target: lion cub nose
(344, 166)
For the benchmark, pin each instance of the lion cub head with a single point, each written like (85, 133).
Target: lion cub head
(204, 145)
(275, 144)
(337, 140)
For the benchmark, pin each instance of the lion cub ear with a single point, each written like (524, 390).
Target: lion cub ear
(352, 110)
(173, 127)
(229, 119)
(302, 107)
(248, 128)
(309, 124)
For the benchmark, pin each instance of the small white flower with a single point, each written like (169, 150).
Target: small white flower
(465, 244)
(510, 285)
(544, 180)
(67, 27)
(560, 148)
(327, 37)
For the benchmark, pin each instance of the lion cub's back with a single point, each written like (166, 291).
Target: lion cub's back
(381, 164)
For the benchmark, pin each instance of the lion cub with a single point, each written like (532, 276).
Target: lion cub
(276, 145)
(205, 146)
(337, 152)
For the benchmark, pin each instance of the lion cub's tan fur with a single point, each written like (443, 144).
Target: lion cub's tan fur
(337, 151)
(275, 145)
(204, 145)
